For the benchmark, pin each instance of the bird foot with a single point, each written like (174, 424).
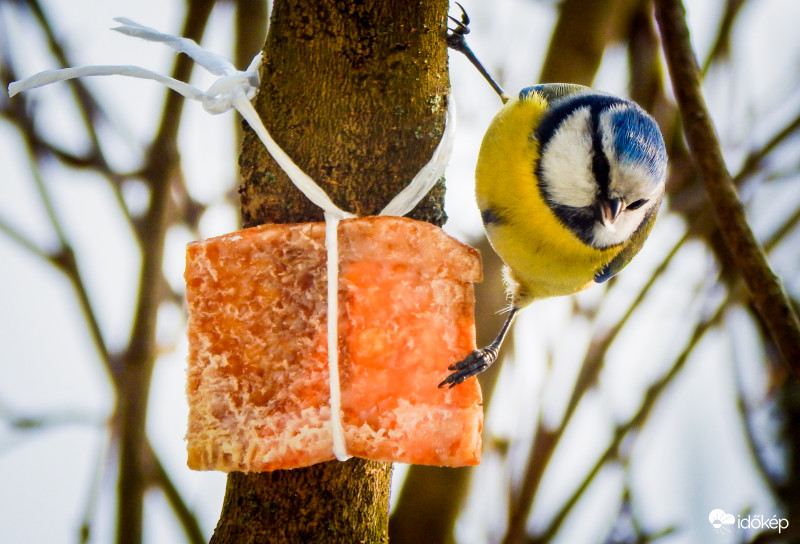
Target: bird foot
(474, 363)
(456, 39)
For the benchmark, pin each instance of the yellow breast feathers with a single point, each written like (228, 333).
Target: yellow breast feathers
(544, 257)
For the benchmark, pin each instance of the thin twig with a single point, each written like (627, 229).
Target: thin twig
(782, 231)
(637, 421)
(63, 258)
(160, 478)
(754, 159)
(101, 466)
(722, 41)
(545, 440)
(88, 107)
(24, 242)
(764, 286)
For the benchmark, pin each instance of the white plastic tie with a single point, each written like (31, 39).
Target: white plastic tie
(234, 89)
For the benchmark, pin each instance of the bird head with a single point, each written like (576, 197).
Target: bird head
(602, 165)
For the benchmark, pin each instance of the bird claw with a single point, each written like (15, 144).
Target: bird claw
(456, 38)
(473, 364)
(457, 41)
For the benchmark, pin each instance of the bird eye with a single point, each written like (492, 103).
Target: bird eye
(635, 205)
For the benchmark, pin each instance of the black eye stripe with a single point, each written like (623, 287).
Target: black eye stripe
(555, 117)
(563, 110)
(601, 170)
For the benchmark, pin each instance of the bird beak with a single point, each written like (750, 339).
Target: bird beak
(610, 210)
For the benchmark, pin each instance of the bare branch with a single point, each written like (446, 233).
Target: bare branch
(63, 258)
(101, 465)
(161, 169)
(722, 42)
(583, 31)
(160, 478)
(783, 231)
(764, 286)
(636, 422)
(545, 440)
(756, 157)
(27, 244)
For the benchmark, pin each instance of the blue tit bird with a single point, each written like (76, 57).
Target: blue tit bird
(568, 182)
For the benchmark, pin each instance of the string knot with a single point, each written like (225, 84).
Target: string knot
(219, 97)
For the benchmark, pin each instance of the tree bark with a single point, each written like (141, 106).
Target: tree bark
(356, 94)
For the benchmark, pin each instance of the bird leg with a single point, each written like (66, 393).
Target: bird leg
(457, 40)
(480, 359)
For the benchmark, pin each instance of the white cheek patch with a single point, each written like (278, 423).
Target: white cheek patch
(622, 229)
(626, 182)
(566, 163)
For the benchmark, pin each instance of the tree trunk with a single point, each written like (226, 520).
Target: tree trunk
(356, 94)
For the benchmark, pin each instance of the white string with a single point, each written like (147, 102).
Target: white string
(301, 180)
(339, 446)
(214, 63)
(235, 89)
(52, 76)
(426, 178)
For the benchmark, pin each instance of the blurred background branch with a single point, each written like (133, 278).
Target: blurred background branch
(624, 414)
(764, 286)
(159, 175)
